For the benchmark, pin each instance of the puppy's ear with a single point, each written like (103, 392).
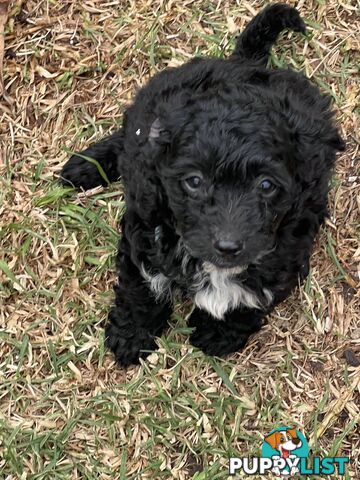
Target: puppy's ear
(273, 440)
(146, 188)
(158, 135)
(292, 433)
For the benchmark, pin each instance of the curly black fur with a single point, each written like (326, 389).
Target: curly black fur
(225, 166)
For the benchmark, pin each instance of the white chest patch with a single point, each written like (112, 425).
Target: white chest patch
(215, 290)
(219, 292)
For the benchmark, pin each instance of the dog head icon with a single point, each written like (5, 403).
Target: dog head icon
(284, 441)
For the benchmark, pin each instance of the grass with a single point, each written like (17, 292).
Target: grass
(66, 411)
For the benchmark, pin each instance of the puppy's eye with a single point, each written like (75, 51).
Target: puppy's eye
(267, 186)
(193, 183)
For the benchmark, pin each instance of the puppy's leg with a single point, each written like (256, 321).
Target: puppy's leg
(221, 337)
(137, 317)
(81, 171)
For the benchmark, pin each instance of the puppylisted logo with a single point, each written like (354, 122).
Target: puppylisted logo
(285, 447)
(285, 452)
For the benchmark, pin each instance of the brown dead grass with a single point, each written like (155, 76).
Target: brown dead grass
(66, 411)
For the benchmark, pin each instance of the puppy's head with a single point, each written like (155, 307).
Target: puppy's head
(232, 171)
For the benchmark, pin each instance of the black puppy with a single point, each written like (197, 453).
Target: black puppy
(225, 166)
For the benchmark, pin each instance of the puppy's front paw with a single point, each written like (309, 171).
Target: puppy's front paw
(79, 172)
(285, 16)
(128, 341)
(214, 337)
(128, 348)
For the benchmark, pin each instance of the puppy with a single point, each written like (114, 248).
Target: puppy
(225, 166)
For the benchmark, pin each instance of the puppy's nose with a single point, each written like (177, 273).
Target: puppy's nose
(228, 247)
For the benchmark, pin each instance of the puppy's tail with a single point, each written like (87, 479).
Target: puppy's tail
(256, 40)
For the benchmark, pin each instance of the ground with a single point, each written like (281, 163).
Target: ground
(66, 410)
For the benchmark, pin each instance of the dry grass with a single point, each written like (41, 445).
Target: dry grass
(66, 411)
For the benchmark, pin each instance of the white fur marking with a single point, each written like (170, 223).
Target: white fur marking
(218, 292)
(215, 289)
(159, 283)
(268, 295)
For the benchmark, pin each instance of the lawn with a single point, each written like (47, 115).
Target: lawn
(66, 410)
